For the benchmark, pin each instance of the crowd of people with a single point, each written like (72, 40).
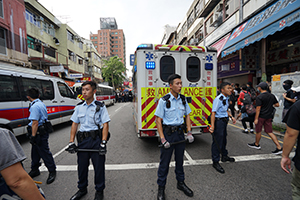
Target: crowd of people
(124, 96)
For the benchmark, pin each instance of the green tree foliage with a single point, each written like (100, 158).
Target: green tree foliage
(112, 71)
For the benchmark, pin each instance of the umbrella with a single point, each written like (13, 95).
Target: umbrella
(126, 90)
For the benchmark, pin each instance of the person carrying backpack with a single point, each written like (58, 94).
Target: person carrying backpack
(248, 115)
(245, 97)
(251, 91)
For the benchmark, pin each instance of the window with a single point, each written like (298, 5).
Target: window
(231, 7)
(33, 44)
(80, 60)
(64, 90)
(2, 42)
(199, 7)
(45, 88)
(50, 51)
(167, 67)
(9, 89)
(70, 36)
(116, 33)
(92, 38)
(80, 45)
(96, 46)
(95, 37)
(193, 69)
(33, 19)
(72, 56)
(1, 9)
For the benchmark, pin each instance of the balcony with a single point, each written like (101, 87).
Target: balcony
(209, 7)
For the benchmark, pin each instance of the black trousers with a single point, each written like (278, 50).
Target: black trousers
(248, 119)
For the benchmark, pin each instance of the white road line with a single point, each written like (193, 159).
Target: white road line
(189, 162)
(188, 157)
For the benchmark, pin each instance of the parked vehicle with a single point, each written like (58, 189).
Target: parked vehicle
(154, 64)
(54, 92)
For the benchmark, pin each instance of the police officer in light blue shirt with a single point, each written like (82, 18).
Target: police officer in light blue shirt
(170, 124)
(218, 129)
(39, 136)
(93, 134)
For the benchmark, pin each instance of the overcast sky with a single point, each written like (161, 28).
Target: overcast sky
(142, 21)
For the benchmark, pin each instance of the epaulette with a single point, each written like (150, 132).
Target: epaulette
(182, 99)
(99, 103)
(166, 97)
(221, 98)
(80, 103)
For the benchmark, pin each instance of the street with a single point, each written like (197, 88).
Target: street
(131, 166)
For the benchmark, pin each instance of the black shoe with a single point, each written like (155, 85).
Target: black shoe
(161, 193)
(218, 167)
(51, 177)
(34, 172)
(277, 151)
(187, 191)
(99, 195)
(79, 194)
(227, 158)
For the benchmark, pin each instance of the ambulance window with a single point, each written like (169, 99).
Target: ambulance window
(167, 67)
(193, 69)
(9, 89)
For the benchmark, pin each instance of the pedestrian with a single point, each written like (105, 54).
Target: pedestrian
(252, 91)
(289, 97)
(244, 97)
(263, 117)
(39, 135)
(219, 120)
(15, 179)
(92, 134)
(237, 89)
(171, 109)
(291, 137)
(232, 100)
(246, 118)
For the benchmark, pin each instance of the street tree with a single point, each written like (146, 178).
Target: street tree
(112, 71)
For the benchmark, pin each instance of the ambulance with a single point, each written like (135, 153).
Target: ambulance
(154, 63)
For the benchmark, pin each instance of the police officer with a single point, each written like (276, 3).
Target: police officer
(218, 129)
(39, 135)
(91, 115)
(171, 109)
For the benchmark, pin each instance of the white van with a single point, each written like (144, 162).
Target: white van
(54, 92)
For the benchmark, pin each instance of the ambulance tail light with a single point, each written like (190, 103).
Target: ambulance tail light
(145, 46)
(205, 130)
(150, 65)
(150, 133)
(163, 48)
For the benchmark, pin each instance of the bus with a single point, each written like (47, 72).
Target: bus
(153, 65)
(104, 93)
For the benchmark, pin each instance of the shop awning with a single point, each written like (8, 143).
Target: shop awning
(220, 44)
(281, 14)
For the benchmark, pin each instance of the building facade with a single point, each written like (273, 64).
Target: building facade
(254, 39)
(13, 46)
(110, 41)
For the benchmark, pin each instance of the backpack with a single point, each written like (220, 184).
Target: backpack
(247, 98)
(250, 109)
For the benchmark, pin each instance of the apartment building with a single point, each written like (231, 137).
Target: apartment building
(254, 39)
(110, 41)
(56, 48)
(13, 47)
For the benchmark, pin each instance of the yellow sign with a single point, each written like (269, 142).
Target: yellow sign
(276, 78)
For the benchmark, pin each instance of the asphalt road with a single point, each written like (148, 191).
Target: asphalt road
(131, 166)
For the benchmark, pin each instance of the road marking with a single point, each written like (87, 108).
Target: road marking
(188, 157)
(134, 166)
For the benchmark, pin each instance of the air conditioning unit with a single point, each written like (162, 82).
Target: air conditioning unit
(219, 7)
(37, 41)
(39, 18)
(86, 58)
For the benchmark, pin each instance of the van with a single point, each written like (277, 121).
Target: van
(54, 92)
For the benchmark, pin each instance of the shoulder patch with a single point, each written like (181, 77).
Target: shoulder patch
(166, 97)
(221, 98)
(80, 103)
(98, 103)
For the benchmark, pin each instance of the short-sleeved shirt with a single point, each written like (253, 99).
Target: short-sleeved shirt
(287, 104)
(11, 150)
(85, 116)
(172, 116)
(292, 119)
(266, 101)
(219, 107)
(38, 112)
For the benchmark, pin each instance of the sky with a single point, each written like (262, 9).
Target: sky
(142, 21)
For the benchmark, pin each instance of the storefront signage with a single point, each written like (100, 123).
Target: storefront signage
(75, 75)
(276, 78)
(284, 55)
(56, 69)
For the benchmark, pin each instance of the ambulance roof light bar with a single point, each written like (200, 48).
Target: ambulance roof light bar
(197, 50)
(163, 48)
(145, 46)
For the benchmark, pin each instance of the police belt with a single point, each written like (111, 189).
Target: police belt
(171, 129)
(222, 118)
(81, 135)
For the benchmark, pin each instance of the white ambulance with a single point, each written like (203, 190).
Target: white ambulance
(197, 66)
